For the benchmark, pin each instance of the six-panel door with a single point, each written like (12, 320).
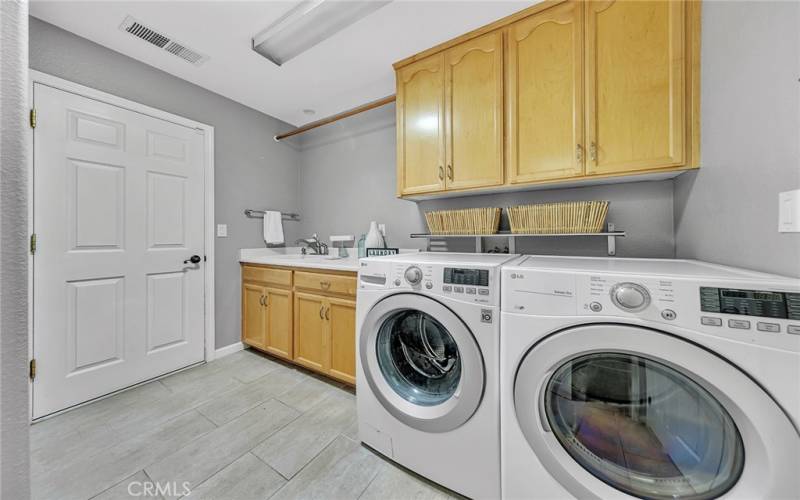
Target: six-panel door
(474, 113)
(420, 126)
(544, 95)
(635, 85)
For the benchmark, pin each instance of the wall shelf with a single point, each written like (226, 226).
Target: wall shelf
(611, 234)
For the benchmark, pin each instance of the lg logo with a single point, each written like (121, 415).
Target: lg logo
(157, 489)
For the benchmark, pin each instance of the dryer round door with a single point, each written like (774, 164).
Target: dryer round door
(422, 362)
(618, 411)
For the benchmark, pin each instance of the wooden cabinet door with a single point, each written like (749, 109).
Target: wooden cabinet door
(310, 337)
(474, 112)
(279, 322)
(635, 88)
(341, 317)
(254, 317)
(420, 126)
(544, 95)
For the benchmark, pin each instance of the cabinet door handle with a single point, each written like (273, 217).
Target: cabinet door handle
(261, 300)
(579, 153)
(266, 300)
(325, 284)
(328, 313)
(320, 312)
(593, 151)
(450, 172)
(441, 173)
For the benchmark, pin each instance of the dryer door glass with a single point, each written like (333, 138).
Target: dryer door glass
(418, 357)
(643, 427)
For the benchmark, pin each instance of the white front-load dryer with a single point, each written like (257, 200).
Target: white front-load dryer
(644, 378)
(427, 366)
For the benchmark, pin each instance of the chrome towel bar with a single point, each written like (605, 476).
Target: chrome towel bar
(259, 214)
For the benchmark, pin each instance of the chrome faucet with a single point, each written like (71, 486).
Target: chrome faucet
(317, 247)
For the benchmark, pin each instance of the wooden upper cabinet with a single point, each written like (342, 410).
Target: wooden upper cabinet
(420, 126)
(635, 85)
(544, 95)
(474, 112)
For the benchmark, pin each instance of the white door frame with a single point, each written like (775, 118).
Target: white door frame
(208, 225)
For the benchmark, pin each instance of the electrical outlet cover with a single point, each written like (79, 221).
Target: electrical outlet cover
(222, 230)
(789, 212)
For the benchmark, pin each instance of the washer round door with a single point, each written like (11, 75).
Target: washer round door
(619, 410)
(422, 362)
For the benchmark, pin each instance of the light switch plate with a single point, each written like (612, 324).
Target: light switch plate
(222, 230)
(789, 211)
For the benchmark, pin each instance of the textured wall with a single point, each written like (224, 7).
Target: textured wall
(348, 178)
(727, 212)
(252, 170)
(14, 158)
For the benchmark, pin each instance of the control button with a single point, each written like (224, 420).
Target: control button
(739, 323)
(483, 291)
(447, 288)
(710, 321)
(793, 329)
(596, 307)
(470, 291)
(630, 297)
(458, 289)
(413, 275)
(668, 314)
(397, 282)
(428, 285)
(768, 327)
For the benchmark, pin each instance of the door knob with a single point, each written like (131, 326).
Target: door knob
(194, 259)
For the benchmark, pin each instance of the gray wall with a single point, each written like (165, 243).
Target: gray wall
(727, 212)
(348, 178)
(15, 154)
(252, 170)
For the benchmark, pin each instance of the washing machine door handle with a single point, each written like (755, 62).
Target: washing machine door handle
(541, 402)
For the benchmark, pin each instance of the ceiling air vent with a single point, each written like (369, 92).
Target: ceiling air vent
(174, 47)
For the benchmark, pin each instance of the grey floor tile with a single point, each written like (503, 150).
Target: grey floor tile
(130, 487)
(209, 454)
(248, 478)
(304, 396)
(231, 404)
(290, 449)
(342, 471)
(252, 365)
(393, 482)
(83, 477)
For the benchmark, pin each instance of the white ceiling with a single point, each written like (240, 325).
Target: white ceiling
(349, 69)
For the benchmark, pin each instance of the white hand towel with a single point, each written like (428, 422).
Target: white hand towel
(273, 228)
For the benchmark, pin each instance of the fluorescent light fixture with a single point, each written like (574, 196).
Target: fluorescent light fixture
(309, 23)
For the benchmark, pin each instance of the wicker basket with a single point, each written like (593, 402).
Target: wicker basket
(565, 217)
(466, 221)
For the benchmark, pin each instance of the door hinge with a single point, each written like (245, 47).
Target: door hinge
(32, 369)
(33, 117)
(33, 243)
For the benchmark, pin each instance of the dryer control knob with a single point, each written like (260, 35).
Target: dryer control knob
(413, 275)
(630, 297)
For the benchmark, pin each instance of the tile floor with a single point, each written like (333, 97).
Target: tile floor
(240, 428)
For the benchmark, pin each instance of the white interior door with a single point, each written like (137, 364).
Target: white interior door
(118, 207)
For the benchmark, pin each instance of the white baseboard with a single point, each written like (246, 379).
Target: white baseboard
(228, 349)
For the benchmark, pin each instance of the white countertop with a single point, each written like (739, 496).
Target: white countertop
(291, 257)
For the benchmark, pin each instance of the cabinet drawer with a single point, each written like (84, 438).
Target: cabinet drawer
(281, 277)
(326, 283)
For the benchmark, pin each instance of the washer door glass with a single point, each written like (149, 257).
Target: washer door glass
(643, 427)
(418, 357)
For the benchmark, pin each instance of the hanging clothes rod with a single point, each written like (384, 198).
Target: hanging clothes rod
(259, 214)
(336, 117)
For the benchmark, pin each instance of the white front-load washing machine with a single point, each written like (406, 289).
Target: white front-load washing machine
(427, 366)
(647, 378)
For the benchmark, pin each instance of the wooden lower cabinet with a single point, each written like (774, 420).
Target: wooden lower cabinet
(312, 328)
